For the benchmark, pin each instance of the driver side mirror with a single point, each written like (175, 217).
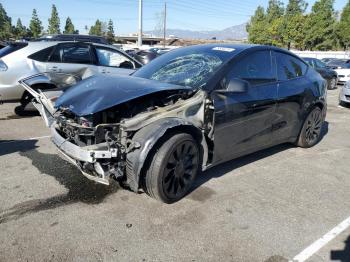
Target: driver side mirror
(126, 65)
(235, 85)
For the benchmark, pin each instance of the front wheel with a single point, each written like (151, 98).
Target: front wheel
(173, 169)
(311, 131)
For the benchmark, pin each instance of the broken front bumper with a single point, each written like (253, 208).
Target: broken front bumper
(85, 156)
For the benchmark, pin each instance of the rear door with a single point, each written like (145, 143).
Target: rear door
(243, 121)
(72, 58)
(292, 93)
(113, 62)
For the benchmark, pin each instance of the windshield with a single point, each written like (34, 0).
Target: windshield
(10, 49)
(191, 67)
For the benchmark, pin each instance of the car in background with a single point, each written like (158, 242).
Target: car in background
(328, 74)
(344, 94)
(328, 59)
(188, 110)
(145, 56)
(74, 37)
(343, 70)
(337, 63)
(2, 44)
(19, 60)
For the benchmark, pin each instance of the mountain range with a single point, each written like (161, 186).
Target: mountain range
(237, 32)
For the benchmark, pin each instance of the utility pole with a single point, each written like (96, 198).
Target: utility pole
(139, 40)
(164, 24)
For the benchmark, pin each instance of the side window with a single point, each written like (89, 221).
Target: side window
(289, 67)
(256, 68)
(108, 57)
(72, 53)
(42, 55)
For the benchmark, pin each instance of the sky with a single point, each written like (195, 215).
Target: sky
(181, 14)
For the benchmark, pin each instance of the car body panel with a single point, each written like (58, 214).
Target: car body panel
(250, 114)
(100, 92)
(344, 94)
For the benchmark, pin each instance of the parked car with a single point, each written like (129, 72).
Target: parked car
(344, 94)
(188, 110)
(2, 44)
(146, 56)
(19, 60)
(74, 37)
(328, 74)
(328, 59)
(343, 71)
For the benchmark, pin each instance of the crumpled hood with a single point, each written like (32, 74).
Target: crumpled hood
(100, 92)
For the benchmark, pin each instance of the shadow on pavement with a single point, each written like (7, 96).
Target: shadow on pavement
(342, 255)
(80, 189)
(12, 146)
(226, 167)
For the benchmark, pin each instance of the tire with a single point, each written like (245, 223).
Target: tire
(333, 84)
(173, 169)
(310, 133)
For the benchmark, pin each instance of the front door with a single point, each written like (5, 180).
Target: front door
(72, 58)
(243, 121)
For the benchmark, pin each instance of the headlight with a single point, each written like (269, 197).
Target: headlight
(3, 66)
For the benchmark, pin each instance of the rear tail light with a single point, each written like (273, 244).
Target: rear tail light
(3, 66)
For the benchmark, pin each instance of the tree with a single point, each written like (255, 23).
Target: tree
(343, 28)
(257, 27)
(96, 29)
(110, 32)
(54, 22)
(5, 24)
(20, 30)
(295, 9)
(274, 14)
(320, 26)
(69, 27)
(35, 25)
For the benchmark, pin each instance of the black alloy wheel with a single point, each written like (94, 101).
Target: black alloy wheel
(173, 169)
(311, 131)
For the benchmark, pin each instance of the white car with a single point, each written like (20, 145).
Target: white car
(20, 60)
(344, 94)
(343, 74)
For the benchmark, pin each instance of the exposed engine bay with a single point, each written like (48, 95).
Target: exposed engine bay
(99, 143)
(113, 129)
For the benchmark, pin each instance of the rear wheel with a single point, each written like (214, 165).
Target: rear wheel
(311, 131)
(173, 169)
(333, 83)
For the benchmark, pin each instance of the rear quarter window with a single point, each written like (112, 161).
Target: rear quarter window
(289, 67)
(42, 55)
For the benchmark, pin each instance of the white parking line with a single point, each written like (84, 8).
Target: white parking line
(319, 243)
(31, 138)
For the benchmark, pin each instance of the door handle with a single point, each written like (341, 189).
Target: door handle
(55, 69)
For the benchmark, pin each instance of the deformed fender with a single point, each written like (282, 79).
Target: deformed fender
(147, 137)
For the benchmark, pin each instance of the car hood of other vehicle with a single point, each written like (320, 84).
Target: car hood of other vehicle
(99, 92)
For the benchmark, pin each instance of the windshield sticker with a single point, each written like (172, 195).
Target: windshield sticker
(224, 49)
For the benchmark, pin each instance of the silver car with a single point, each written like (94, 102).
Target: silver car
(344, 95)
(20, 60)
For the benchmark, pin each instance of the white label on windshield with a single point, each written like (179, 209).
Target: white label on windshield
(225, 49)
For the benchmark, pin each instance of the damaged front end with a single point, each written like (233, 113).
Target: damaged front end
(111, 140)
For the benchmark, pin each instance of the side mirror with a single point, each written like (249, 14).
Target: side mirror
(126, 65)
(235, 85)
